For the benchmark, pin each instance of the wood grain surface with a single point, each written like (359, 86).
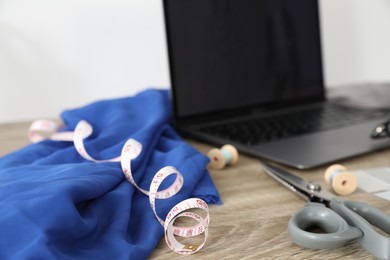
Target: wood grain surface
(252, 221)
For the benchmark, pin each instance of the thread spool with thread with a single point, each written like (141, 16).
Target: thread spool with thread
(341, 180)
(219, 158)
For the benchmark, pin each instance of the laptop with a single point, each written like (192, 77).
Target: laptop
(249, 73)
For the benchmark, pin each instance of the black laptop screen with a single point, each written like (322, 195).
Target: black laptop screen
(236, 54)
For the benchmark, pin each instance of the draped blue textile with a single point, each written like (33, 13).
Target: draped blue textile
(56, 205)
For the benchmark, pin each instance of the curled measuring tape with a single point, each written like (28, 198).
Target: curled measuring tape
(130, 151)
(46, 129)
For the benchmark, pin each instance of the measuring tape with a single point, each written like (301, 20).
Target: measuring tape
(49, 130)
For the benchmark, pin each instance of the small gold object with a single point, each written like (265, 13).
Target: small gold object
(191, 247)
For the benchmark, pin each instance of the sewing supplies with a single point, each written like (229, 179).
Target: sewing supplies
(47, 129)
(341, 180)
(381, 130)
(226, 155)
(341, 220)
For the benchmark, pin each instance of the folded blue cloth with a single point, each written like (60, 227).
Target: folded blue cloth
(54, 204)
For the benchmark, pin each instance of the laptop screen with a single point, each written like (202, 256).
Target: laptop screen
(226, 55)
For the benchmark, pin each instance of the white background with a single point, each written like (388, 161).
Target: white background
(60, 54)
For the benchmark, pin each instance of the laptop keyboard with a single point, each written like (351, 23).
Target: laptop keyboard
(266, 129)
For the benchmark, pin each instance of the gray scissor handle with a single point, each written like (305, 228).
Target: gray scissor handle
(337, 231)
(364, 216)
(347, 221)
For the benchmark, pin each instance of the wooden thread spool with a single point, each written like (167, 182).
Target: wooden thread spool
(341, 180)
(219, 158)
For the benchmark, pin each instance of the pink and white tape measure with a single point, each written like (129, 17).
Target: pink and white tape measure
(50, 130)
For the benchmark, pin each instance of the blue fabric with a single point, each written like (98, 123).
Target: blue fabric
(56, 205)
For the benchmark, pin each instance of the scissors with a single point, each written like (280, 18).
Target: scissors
(381, 130)
(341, 220)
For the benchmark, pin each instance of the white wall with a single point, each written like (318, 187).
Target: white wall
(57, 54)
(61, 54)
(356, 41)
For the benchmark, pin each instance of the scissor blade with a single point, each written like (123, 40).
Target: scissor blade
(278, 176)
(306, 190)
(285, 175)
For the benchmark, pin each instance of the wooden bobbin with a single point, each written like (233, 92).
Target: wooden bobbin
(219, 158)
(341, 180)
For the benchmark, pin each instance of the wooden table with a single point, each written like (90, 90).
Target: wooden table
(252, 222)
